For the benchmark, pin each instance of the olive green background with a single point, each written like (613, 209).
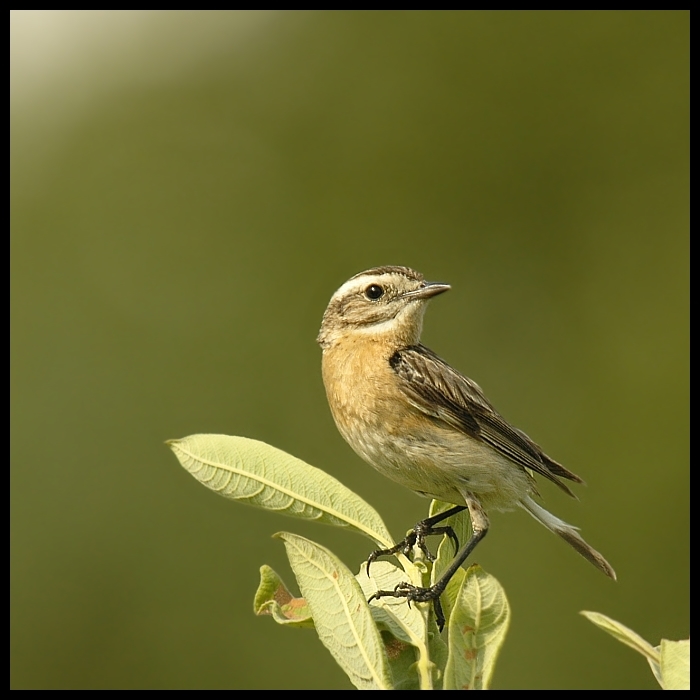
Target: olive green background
(188, 190)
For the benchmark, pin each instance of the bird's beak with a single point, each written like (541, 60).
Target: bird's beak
(427, 290)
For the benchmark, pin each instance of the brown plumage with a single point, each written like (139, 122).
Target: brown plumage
(419, 421)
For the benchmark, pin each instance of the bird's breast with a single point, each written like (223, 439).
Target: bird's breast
(377, 420)
(361, 391)
(417, 450)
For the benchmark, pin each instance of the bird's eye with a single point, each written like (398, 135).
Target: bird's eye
(374, 292)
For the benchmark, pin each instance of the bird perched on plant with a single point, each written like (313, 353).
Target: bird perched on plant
(421, 423)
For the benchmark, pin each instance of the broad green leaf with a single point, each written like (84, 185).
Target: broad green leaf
(393, 614)
(341, 615)
(670, 662)
(461, 524)
(261, 475)
(402, 663)
(477, 629)
(413, 624)
(449, 597)
(273, 598)
(625, 635)
(438, 652)
(404, 624)
(675, 664)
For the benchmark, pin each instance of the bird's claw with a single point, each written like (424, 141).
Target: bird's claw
(416, 537)
(415, 594)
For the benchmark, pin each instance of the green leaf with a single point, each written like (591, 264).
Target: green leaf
(393, 614)
(438, 652)
(255, 473)
(670, 662)
(402, 663)
(461, 524)
(476, 629)
(404, 624)
(273, 598)
(675, 664)
(626, 636)
(342, 617)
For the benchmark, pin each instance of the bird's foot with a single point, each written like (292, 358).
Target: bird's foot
(416, 537)
(416, 594)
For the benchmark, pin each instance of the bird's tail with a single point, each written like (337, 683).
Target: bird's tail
(569, 533)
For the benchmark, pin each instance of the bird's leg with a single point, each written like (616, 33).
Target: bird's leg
(421, 530)
(480, 526)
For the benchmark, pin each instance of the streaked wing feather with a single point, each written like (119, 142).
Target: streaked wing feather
(440, 391)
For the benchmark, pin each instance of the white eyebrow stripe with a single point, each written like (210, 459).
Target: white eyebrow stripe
(358, 283)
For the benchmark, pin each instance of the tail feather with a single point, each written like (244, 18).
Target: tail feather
(569, 534)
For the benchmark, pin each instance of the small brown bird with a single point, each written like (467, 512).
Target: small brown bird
(423, 424)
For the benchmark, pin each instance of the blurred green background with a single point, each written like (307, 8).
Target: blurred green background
(188, 190)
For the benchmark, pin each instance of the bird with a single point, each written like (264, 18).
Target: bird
(423, 424)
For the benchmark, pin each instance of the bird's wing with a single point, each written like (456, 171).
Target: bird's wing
(438, 390)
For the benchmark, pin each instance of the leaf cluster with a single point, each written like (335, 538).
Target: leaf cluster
(386, 644)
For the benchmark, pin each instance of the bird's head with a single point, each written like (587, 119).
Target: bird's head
(384, 302)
